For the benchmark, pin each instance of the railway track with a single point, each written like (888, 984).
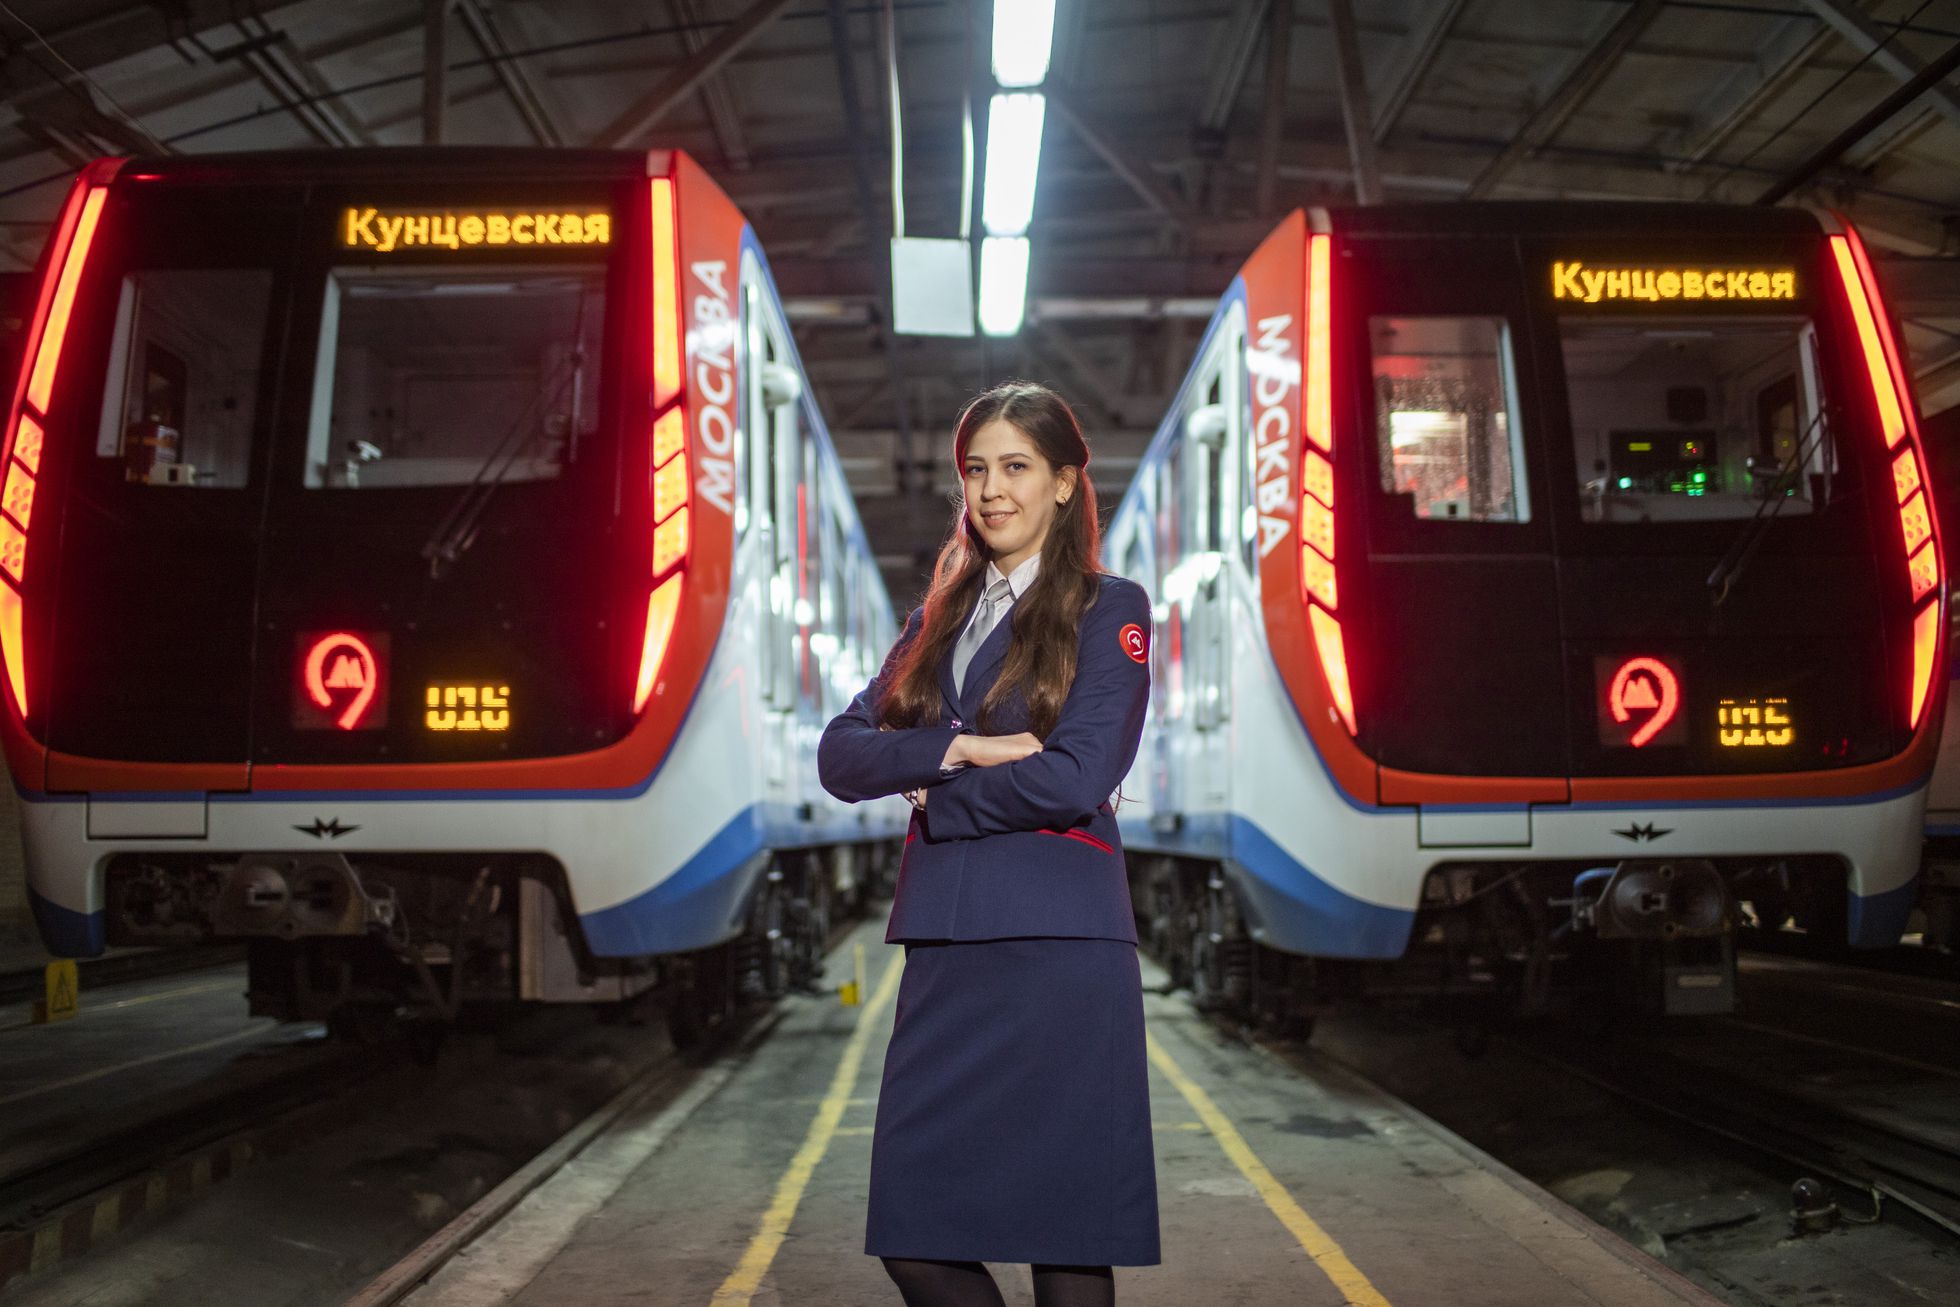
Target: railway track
(1894, 1161)
(39, 1181)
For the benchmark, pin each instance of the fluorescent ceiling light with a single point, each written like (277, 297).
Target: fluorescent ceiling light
(1003, 284)
(1013, 157)
(1024, 33)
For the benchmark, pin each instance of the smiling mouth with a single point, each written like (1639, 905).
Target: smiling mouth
(995, 519)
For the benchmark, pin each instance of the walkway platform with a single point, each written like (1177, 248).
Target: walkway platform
(1280, 1180)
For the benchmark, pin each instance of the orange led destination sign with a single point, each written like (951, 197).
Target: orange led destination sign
(1580, 284)
(466, 706)
(1755, 723)
(386, 231)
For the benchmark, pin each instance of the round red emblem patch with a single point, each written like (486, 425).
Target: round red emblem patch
(1133, 640)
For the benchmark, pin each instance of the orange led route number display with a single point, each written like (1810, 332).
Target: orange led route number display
(342, 681)
(1755, 723)
(465, 707)
(1639, 702)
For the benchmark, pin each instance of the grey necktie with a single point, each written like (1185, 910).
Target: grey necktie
(992, 604)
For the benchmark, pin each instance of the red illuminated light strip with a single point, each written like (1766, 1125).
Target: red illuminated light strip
(26, 428)
(666, 296)
(1317, 573)
(671, 485)
(1925, 569)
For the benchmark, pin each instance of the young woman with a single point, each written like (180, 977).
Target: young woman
(1014, 1121)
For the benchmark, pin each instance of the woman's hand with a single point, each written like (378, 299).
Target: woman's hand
(991, 750)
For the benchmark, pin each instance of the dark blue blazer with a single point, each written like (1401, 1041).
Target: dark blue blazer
(1024, 848)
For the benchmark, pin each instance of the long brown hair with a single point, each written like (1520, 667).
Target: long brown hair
(1041, 652)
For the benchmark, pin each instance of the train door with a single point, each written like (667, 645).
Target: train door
(158, 494)
(1191, 657)
(1166, 648)
(774, 395)
(1129, 551)
(1461, 677)
(1713, 502)
(1214, 429)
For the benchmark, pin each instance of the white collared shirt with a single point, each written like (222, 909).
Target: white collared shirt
(1018, 582)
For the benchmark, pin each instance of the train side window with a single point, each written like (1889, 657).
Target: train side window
(1445, 404)
(184, 371)
(1446, 418)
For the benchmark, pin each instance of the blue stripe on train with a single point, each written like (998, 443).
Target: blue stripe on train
(1290, 907)
(703, 903)
(698, 906)
(1287, 905)
(66, 933)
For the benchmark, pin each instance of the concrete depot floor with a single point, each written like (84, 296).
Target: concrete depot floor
(667, 1205)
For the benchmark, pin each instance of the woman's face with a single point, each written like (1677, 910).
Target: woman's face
(1012, 492)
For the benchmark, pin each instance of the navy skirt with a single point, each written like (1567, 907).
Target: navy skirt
(1014, 1120)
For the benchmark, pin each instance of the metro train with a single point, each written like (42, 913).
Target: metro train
(1543, 592)
(429, 567)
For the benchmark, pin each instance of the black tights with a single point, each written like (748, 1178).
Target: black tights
(967, 1284)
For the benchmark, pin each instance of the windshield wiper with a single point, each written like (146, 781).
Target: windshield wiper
(457, 530)
(1727, 572)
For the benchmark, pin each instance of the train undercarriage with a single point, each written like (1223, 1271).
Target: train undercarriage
(376, 943)
(1651, 936)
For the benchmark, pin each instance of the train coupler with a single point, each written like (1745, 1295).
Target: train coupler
(292, 897)
(1671, 923)
(1652, 899)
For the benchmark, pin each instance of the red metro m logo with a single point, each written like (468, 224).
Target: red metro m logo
(1640, 703)
(342, 682)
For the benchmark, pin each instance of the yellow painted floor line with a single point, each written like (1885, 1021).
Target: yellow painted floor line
(1355, 1287)
(746, 1278)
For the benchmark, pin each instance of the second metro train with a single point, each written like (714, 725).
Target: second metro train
(1542, 590)
(429, 568)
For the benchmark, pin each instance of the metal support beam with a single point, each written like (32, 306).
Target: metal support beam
(1921, 83)
(724, 119)
(1782, 59)
(1230, 61)
(1354, 102)
(1898, 134)
(510, 73)
(1868, 37)
(631, 127)
(1579, 82)
(1135, 173)
(1102, 388)
(1279, 58)
(1442, 17)
(435, 68)
(67, 119)
(129, 29)
(294, 82)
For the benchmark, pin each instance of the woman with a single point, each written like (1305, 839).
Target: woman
(1014, 1121)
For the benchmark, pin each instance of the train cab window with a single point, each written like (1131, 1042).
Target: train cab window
(437, 378)
(1446, 424)
(184, 374)
(1703, 419)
